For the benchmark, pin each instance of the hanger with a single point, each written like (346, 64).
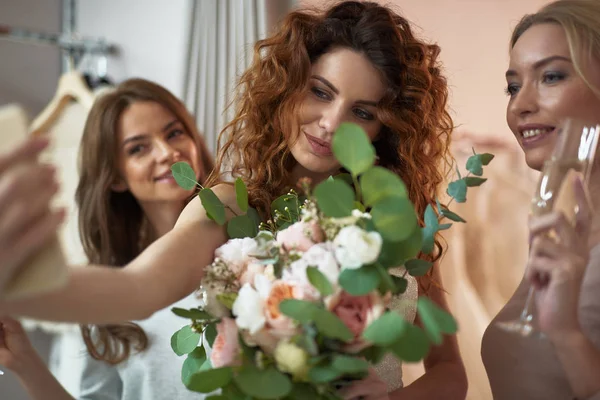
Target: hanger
(71, 87)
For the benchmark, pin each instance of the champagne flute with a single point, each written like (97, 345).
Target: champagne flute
(573, 155)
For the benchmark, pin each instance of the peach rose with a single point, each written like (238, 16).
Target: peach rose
(301, 236)
(357, 313)
(280, 325)
(226, 348)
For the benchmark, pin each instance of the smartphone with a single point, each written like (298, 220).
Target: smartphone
(45, 270)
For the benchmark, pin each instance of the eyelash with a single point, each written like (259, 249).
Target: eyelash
(323, 95)
(512, 88)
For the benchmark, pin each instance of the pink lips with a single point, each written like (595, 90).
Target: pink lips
(319, 147)
(168, 177)
(542, 132)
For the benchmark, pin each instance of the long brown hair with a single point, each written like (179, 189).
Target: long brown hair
(112, 225)
(414, 140)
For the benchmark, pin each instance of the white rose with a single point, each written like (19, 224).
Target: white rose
(249, 306)
(319, 256)
(355, 247)
(237, 253)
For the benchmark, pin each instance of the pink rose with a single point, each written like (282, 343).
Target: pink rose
(300, 236)
(226, 348)
(357, 313)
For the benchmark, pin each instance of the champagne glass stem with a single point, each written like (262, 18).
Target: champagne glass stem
(527, 313)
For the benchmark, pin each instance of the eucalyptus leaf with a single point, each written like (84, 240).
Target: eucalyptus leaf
(185, 340)
(385, 330)
(349, 365)
(443, 227)
(335, 198)
(418, 267)
(473, 181)
(331, 326)
(300, 310)
(184, 175)
(379, 183)
(374, 354)
(303, 391)
(265, 384)
(211, 333)
(193, 363)
(413, 345)
(193, 313)
(352, 148)
(254, 216)
(401, 284)
(452, 216)
(241, 227)
(241, 194)
(394, 218)
(475, 165)
(435, 320)
(345, 177)
(393, 254)
(227, 299)
(458, 190)
(429, 230)
(360, 281)
(486, 158)
(209, 380)
(213, 206)
(319, 281)
(323, 374)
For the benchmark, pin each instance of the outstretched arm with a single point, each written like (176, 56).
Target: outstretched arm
(168, 270)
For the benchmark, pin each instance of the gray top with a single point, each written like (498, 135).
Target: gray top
(154, 374)
(527, 368)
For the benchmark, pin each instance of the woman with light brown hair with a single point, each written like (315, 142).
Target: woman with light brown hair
(354, 62)
(127, 199)
(554, 76)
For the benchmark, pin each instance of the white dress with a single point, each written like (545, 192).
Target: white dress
(390, 368)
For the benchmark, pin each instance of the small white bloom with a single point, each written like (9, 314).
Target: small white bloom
(236, 253)
(359, 214)
(319, 256)
(249, 309)
(355, 247)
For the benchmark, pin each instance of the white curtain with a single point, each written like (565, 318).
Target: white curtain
(223, 33)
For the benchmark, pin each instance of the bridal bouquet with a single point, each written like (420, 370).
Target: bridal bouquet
(297, 305)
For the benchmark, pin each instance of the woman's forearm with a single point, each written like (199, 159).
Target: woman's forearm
(581, 362)
(446, 380)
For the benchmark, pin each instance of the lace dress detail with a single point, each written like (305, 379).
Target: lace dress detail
(390, 368)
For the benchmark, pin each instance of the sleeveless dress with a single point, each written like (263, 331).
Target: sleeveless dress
(390, 368)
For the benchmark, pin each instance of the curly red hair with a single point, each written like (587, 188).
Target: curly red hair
(414, 141)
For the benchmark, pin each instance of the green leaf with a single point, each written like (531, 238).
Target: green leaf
(473, 181)
(439, 205)
(401, 284)
(474, 165)
(359, 206)
(209, 380)
(300, 310)
(254, 216)
(227, 299)
(241, 194)
(213, 206)
(393, 254)
(193, 363)
(452, 216)
(346, 178)
(185, 340)
(429, 230)
(458, 190)
(394, 218)
(335, 198)
(374, 354)
(435, 320)
(303, 391)
(380, 183)
(418, 267)
(386, 330)
(319, 281)
(413, 345)
(217, 397)
(352, 148)
(386, 283)
(211, 333)
(241, 226)
(265, 384)
(193, 313)
(443, 227)
(184, 175)
(323, 374)
(486, 158)
(349, 365)
(360, 281)
(331, 326)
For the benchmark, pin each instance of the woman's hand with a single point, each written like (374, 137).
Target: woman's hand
(26, 221)
(16, 351)
(370, 388)
(557, 262)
